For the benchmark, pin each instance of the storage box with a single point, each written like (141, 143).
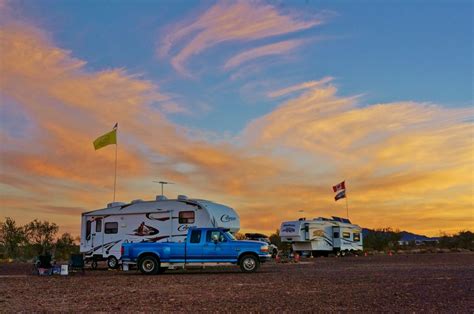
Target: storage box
(64, 270)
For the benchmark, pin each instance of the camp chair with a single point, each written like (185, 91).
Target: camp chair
(42, 265)
(76, 262)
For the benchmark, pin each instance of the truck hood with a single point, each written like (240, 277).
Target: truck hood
(251, 242)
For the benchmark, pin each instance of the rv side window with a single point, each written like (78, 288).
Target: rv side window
(186, 217)
(98, 225)
(88, 229)
(196, 236)
(336, 235)
(111, 227)
(356, 236)
(346, 235)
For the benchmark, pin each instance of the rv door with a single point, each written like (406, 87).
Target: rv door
(94, 234)
(98, 235)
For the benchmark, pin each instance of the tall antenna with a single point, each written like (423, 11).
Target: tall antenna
(162, 184)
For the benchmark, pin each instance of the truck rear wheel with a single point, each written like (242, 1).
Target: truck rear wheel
(149, 265)
(249, 263)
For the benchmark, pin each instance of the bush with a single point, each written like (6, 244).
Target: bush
(382, 239)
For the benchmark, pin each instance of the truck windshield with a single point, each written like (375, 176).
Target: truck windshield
(230, 235)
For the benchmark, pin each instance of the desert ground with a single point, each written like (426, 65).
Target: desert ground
(399, 283)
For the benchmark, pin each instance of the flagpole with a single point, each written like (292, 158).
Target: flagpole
(347, 206)
(115, 177)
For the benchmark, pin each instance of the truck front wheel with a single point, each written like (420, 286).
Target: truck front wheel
(249, 263)
(149, 265)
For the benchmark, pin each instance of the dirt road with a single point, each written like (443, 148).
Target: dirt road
(401, 283)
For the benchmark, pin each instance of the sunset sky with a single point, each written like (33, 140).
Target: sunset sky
(259, 105)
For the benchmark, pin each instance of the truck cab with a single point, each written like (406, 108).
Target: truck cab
(202, 247)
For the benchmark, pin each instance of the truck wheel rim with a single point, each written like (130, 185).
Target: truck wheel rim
(148, 266)
(249, 263)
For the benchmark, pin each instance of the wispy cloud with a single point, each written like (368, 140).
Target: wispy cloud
(299, 87)
(230, 21)
(263, 51)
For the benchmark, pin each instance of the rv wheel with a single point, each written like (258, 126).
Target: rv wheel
(149, 265)
(249, 264)
(112, 262)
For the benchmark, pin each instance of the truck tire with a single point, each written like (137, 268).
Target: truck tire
(274, 253)
(112, 262)
(249, 263)
(149, 265)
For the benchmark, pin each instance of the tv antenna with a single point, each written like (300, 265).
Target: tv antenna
(162, 184)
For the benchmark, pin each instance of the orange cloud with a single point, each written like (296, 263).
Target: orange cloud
(230, 21)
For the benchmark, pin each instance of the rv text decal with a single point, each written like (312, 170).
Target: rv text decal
(183, 228)
(227, 218)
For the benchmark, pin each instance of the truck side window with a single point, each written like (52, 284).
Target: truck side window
(336, 235)
(98, 225)
(186, 217)
(214, 234)
(88, 230)
(356, 236)
(111, 227)
(195, 236)
(346, 235)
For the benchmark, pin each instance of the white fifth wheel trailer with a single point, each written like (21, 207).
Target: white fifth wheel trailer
(161, 220)
(322, 236)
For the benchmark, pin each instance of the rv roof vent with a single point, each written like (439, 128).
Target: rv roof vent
(182, 198)
(113, 204)
(136, 201)
(161, 198)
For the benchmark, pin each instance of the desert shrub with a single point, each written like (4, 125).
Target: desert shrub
(461, 240)
(381, 239)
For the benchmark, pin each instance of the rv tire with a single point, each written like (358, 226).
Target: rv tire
(112, 262)
(149, 265)
(249, 263)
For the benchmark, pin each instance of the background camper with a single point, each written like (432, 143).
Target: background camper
(322, 236)
(161, 220)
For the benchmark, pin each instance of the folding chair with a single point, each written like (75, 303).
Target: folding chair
(76, 262)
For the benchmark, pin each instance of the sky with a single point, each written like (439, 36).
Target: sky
(259, 105)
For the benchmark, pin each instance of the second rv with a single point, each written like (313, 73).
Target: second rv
(322, 236)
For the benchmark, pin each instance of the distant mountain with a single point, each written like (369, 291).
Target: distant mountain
(405, 235)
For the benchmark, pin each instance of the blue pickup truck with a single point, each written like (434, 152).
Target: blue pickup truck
(202, 247)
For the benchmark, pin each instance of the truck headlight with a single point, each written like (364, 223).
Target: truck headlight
(264, 249)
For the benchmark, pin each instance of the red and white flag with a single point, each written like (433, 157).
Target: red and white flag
(339, 187)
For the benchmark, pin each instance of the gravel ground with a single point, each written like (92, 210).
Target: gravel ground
(400, 283)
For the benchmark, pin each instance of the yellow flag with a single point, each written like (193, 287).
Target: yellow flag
(106, 139)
